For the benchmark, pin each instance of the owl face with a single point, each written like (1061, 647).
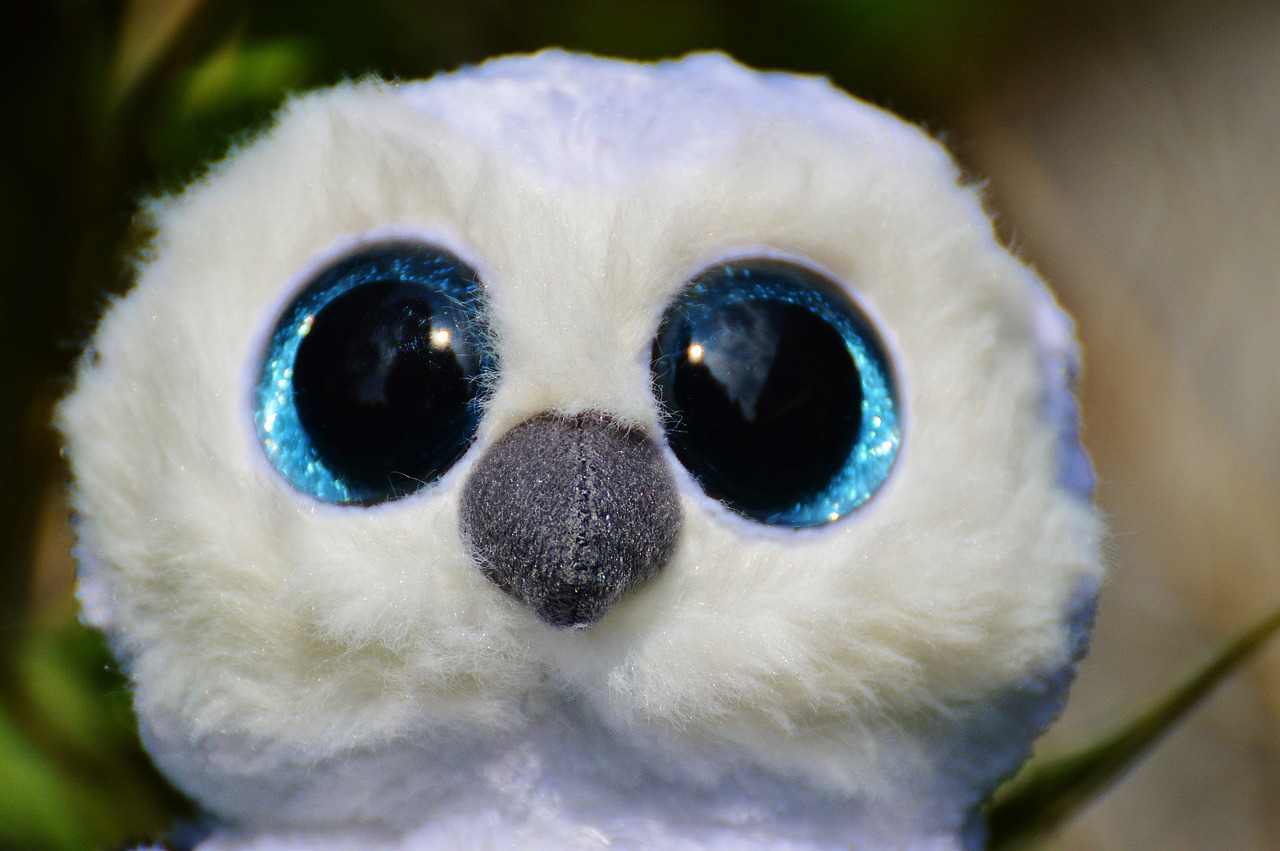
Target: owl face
(671, 440)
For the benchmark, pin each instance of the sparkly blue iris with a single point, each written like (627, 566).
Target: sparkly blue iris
(372, 383)
(778, 395)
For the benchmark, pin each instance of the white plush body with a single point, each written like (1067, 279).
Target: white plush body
(316, 674)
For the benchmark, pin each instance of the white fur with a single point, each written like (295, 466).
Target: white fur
(302, 667)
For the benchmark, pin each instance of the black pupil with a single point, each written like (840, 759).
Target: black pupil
(766, 402)
(384, 383)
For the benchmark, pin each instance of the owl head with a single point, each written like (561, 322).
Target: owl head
(567, 452)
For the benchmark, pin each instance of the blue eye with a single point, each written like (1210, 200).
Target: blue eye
(778, 395)
(372, 382)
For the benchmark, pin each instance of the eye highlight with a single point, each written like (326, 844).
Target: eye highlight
(778, 395)
(372, 382)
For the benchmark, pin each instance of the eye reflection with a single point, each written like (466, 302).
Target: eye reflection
(371, 384)
(778, 394)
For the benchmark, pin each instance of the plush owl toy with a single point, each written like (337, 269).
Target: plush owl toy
(568, 453)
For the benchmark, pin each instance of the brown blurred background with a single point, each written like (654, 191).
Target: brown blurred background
(1139, 168)
(1132, 152)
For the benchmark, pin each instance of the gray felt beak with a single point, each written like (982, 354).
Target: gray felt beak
(569, 514)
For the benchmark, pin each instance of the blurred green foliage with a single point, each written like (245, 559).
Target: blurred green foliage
(109, 102)
(71, 769)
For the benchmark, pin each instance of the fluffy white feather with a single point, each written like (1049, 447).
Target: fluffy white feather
(312, 673)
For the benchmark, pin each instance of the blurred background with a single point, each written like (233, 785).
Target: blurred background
(1131, 151)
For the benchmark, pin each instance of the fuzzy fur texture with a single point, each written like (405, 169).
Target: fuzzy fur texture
(308, 670)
